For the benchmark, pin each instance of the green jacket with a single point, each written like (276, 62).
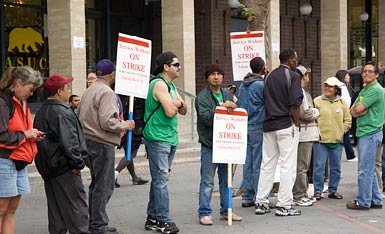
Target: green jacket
(205, 104)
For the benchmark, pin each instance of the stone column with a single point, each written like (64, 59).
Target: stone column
(179, 36)
(334, 44)
(381, 32)
(66, 25)
(273, 48)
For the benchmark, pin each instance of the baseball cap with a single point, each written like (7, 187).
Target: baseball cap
(104, 67)
(332, 81)
(302, 70)
(55, 82)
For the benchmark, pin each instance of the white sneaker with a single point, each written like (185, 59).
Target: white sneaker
(303, 202)
(353, 159)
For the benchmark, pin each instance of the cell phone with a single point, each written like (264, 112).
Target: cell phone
(45, 133)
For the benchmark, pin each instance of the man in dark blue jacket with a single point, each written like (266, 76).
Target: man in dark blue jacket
(250, 97)
(60, 158)
(283, 97)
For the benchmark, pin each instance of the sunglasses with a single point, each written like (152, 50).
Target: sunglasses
(174, 64)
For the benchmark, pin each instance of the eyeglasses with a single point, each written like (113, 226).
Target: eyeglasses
(174, 64)
(368, 71)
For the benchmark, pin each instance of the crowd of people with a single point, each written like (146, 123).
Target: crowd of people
(286, 127)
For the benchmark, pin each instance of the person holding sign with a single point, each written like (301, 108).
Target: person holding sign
(160, 134)
(283, 97)
(252, 100)
(206, 102)
(99, 116)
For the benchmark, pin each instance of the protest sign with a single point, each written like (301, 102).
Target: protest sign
(230, 136)
(244, 47)
(133, 66)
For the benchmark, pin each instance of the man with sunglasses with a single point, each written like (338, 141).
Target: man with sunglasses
(160, 134)
(369, 111)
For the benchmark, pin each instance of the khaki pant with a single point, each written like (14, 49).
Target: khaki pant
(303, 162)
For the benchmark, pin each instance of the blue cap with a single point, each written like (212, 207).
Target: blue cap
(104, 67)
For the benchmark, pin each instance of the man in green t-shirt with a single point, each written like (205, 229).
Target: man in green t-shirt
(160, 134)
(369, 111)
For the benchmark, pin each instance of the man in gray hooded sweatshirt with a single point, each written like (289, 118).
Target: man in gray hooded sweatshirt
(251, 98)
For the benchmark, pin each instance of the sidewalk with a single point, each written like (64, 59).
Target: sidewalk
(127, 207)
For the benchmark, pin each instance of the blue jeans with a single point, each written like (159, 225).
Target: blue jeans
(368, 190)
(321, 153)
(206, 186)
(160, 156)
(348, 146)
(383, 166)
(252, 166)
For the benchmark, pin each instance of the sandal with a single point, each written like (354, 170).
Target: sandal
(317, 196)
(140, 181)
(335, 195)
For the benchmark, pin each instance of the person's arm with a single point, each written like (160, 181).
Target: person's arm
(109, 115)
(161, 94)
(295, 114)
(69, 140)
(358, 109)
(182, 108)
(205, 111)
(347, 116)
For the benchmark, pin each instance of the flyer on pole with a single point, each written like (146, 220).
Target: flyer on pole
(133, 66)
(244, 47)
(230, 136)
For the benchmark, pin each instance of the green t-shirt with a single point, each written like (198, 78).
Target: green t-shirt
(218, 96)
(160, 127)
(372, 97)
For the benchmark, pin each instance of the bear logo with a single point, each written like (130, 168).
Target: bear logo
(24, 40)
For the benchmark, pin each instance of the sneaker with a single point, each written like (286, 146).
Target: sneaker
(167, 227)
(234, 217)
(355, 159)
(282, 211)
(261, 209)
(303, 202)
(206, 220)
(151, 223)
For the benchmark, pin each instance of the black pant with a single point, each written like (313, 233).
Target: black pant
(67, 206)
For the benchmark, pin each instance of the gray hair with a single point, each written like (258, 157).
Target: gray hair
(26, 74)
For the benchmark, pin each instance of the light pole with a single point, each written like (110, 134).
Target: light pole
(364, 16)
(305, 10)
(368, 30)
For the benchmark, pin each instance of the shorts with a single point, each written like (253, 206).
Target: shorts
(12, 181)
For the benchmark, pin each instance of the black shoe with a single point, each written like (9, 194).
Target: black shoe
(151, 223)
(117, 185)
(248, 204)
(374, 206)
(111, 229)
(167, 227)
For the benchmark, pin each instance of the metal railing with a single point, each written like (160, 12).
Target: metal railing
(192, 100)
